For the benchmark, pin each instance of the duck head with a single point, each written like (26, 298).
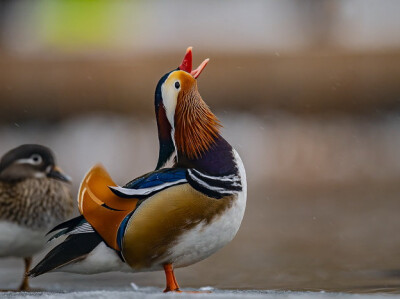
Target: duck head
(30, 161)
(186, 125)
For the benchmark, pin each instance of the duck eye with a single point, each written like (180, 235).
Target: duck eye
(177, 85)
(36, 159)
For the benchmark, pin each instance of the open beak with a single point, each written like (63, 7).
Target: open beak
(58, 174)
(186, 64)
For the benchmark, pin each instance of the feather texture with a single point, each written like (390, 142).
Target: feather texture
(196, 127)
(27, 202)
(73, 249)
(151, 183)
(77, 225)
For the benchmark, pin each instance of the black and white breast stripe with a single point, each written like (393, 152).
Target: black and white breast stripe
(144, 192)
(214, 186)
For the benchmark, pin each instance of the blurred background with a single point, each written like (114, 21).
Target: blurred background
(308, 92)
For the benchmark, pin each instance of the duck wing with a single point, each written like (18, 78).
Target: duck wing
(108, 207)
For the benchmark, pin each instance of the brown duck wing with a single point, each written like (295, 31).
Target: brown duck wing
(102, 208)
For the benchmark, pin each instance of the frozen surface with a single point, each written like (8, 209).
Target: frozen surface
(150, 293)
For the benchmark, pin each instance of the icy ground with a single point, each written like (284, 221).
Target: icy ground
(150, 293)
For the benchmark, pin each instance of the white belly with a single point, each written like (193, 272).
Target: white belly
(101, 259)
(20, 241)
(205, 239)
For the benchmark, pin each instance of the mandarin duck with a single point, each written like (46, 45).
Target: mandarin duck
(171, 217)
(32, 200)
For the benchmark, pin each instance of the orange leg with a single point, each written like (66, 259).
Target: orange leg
(172, 285)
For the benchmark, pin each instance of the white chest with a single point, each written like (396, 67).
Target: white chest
(20, 241)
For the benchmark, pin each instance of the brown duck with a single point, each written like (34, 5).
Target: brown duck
(33, 198)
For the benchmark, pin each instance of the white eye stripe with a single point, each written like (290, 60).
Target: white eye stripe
(169, 95)
(35, 159)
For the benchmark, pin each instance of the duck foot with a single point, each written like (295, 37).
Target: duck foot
(24, 287)
(172, 284)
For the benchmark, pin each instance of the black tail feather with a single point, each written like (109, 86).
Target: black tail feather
(74, 248)
(68, 225)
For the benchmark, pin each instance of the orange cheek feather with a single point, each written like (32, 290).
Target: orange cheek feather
(196, 127)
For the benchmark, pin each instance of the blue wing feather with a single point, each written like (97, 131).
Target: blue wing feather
(156, 178)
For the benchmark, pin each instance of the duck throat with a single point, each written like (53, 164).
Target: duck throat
(196, 127)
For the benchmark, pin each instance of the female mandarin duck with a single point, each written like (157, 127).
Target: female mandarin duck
(171, 217)
(33, 198)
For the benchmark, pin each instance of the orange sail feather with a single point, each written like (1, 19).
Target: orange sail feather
(102, 208)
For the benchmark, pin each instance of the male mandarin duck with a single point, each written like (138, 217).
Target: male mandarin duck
(170, 217)
(32, 200)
